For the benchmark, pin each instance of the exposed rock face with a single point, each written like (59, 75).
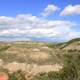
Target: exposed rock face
(36, 50)
(1, 62)
(39, 56)
(14, 66)
(46, 68)
(31, 68)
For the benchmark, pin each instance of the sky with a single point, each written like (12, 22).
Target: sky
(39, 20)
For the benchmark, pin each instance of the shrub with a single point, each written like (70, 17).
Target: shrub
(19, 75)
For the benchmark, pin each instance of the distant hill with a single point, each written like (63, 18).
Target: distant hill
(73, 44)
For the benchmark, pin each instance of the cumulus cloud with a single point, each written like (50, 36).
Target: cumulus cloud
(26, 25)
(73, 34)
(49, 10)
(70, 10)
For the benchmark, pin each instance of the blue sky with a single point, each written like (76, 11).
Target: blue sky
(14, 7)
(43, 20)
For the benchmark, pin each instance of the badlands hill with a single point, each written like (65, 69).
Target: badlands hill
(35, 57)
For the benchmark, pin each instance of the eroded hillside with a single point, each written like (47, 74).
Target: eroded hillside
(35, 57)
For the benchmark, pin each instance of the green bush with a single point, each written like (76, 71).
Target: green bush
(19, 75)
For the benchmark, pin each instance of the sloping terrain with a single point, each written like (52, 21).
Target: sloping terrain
(28, 56)
(35, 57)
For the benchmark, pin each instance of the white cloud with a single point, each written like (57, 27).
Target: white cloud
(49, 10)
(70, 10)
(6, 20)
(73, 34)
(28, 25)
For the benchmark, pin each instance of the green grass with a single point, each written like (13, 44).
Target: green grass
(4, 48)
